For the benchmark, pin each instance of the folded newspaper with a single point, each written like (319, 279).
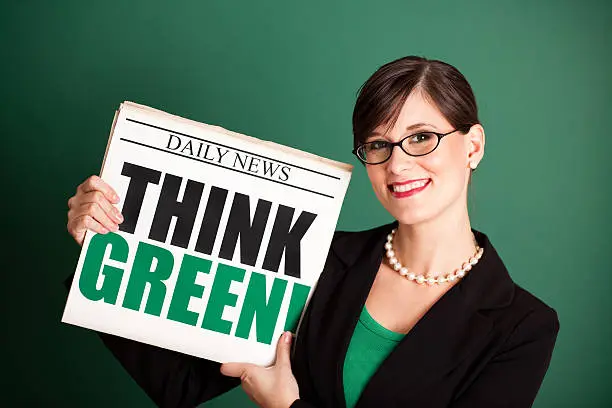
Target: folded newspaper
(223, 240)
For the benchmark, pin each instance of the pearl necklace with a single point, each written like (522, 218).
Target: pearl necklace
(420, 279)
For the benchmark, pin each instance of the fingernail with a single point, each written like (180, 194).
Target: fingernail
(115, 197)
(118, 215)
(287, 337)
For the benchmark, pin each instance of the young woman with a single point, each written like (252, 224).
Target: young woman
(418, 313)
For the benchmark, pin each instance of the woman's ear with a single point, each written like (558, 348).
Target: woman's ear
(475, 145)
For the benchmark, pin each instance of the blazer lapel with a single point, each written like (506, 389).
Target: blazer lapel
(339, 316)
(448, 333)
(435, 345)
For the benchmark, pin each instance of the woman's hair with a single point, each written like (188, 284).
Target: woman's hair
(382, 96)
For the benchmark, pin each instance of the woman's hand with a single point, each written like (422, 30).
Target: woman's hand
(92, 208)
(269, 387)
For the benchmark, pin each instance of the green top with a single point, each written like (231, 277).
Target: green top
(370, 345)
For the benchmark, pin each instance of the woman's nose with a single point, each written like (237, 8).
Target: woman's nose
(399, 161)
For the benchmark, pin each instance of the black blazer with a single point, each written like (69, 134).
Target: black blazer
(486, 343)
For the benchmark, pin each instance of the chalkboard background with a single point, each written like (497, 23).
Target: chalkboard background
(289, 72)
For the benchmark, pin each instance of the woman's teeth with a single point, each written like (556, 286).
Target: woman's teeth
(402, 188)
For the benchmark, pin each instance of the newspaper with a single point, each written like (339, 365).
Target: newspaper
(223, 240)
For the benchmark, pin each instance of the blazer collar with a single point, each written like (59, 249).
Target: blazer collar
(447, 333)
(487, 286)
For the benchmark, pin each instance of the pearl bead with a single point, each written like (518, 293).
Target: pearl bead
(430, 280)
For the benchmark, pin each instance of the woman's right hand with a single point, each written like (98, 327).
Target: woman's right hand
(92, 208)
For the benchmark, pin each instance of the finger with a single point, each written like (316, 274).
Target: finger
(234, 369)
(97, 197)
(78, 226)
(283, 350)
(95, 211)
(71, 201)
(96, 183)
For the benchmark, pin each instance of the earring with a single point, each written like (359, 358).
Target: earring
(473, 165)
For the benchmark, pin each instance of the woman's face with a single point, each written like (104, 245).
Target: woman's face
(418, 189)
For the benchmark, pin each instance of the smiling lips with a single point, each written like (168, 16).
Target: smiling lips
(409, 188)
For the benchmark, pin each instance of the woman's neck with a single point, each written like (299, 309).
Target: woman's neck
(436, 247)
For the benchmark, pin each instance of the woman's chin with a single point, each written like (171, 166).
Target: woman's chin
(413, 216)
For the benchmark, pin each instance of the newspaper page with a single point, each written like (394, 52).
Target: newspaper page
(223, 240)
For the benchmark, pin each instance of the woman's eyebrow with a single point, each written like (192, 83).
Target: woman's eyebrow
(408, 128)
(420, 125)
(373, 135)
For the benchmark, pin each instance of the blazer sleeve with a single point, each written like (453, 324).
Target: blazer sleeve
(513, 377)
(298, 403)
(169, 378)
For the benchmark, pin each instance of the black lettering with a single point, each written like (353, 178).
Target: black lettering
(184, 211)
(267, 168)
(206, 153)
(285, 170)
(221, 154)
(237, 158)
(140, 177)
(188, 147)
(251, 164)
(175, 138)
(210, 222)
(239, 224)
(287, 239)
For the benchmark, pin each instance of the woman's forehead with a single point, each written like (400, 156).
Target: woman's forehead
(420, 109)
(417, 113)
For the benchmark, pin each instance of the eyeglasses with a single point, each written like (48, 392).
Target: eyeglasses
(418, 144)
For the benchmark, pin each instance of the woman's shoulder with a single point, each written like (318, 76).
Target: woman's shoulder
(506, 301)
(534, 310)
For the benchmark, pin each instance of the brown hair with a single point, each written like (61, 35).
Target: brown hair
(382, 96)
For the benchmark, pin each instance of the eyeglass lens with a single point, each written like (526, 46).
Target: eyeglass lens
(380, 150)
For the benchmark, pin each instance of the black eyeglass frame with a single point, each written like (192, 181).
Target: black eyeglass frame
(399, 143)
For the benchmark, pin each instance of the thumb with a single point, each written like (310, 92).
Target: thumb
(283, 350)
(234, 369)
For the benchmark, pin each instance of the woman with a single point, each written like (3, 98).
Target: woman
(418, 313)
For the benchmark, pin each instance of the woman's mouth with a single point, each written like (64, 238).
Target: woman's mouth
(409, 188)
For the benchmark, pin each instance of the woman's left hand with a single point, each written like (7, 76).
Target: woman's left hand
(269, 387)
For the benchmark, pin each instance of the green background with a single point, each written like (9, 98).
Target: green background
(288, 72)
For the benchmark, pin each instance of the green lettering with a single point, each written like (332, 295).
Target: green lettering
(255, 304)
(299, 295)
(93, 263)
(221, 297)
(144, 271)
(186, 288)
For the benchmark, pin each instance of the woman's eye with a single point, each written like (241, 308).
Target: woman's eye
(421, 138)
(377, 145)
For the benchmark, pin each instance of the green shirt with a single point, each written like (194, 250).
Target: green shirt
(370, 345)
